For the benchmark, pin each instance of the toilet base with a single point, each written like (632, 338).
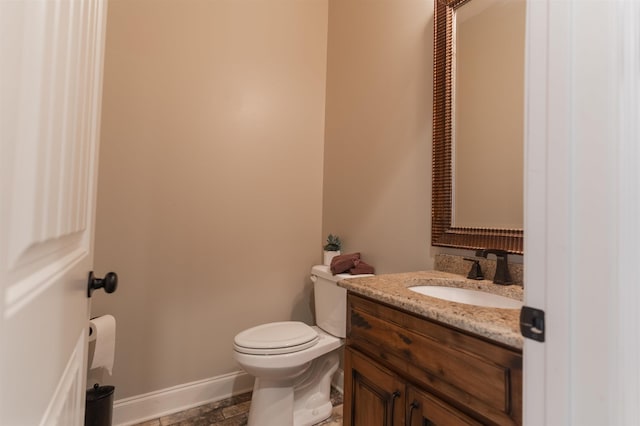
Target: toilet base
(302, 401)
(313, 416)
(271, 403)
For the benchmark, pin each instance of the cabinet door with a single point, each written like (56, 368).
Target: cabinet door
(374, 396)
(424, 409)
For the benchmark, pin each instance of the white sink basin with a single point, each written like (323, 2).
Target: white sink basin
(470, 297)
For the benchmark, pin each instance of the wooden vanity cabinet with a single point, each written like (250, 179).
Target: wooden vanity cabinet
(377, 394)
(424, 409)
(379, 397)
(403, 369)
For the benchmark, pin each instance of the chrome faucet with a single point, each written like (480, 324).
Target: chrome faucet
(502, 275)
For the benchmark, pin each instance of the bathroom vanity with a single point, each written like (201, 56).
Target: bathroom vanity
(416, 360)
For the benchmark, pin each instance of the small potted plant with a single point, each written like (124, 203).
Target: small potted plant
(331, 248)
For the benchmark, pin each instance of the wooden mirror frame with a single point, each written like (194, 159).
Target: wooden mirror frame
(442, 231)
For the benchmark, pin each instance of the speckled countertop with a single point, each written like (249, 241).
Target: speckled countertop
(500, 325)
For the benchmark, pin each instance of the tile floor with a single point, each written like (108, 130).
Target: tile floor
(232, 412)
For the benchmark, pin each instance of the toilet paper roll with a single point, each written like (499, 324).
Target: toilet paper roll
(103, 330)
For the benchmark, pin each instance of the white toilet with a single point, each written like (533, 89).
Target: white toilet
(293, 363)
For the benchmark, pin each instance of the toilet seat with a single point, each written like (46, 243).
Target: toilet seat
(276, 338)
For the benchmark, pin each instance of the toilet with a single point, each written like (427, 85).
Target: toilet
(293, 363)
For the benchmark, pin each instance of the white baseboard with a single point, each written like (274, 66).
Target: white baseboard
(148, 406)
(139, 408)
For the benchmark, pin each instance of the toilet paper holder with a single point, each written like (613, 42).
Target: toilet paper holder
(109, 283)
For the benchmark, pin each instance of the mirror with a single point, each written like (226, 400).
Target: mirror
(478, 124)
(488, 120)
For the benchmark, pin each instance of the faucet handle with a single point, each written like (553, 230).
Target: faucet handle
(476, 271)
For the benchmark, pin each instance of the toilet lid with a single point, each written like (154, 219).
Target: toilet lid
(276, 338)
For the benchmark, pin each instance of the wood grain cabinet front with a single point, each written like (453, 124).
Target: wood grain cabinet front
(424, 409)
(377, 395)
(403, 369)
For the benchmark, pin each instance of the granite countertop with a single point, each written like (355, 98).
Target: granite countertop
(500, 325)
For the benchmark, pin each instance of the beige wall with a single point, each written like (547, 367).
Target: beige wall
(377, 166)
(211, 202)
(210, 186)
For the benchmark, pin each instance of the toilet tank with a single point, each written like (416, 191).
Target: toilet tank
(330, 300)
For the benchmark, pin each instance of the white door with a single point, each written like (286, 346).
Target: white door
(51, 54)
(582, 208)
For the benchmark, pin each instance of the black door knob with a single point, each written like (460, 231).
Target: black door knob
(109, 283)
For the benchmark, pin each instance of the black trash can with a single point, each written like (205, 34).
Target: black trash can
(99, 406)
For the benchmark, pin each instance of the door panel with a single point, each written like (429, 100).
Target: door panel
(51, 56)
(424, 409)
(377, 394)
